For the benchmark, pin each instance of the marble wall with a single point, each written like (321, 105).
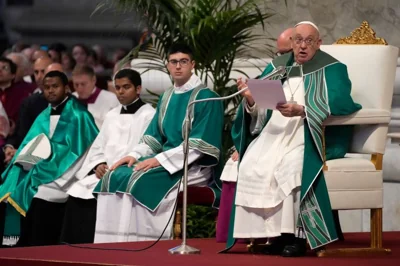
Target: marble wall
(337, 18)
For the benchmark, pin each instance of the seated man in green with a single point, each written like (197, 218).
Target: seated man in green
(136, 204)
(281, 191)
(42, 170)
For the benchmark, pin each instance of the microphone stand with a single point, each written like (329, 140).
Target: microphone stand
(184, 248)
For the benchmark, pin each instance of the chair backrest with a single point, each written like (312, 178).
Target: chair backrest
(372, 70)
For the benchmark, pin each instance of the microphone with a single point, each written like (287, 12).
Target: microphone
(280, 70)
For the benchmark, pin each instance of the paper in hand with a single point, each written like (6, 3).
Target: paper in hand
(267, 93)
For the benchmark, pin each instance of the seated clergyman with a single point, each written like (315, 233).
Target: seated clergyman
(43, 169)
(281, 191)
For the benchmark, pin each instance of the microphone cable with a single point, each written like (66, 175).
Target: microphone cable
(132, 250)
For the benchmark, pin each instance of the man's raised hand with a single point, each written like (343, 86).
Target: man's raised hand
(246, 94)
(147, 164)
(126, 160)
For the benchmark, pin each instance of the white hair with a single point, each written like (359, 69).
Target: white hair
(307, 23)
(25, 63)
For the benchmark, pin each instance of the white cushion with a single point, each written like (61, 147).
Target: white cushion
(353, 183)
(350, 164)
(369, 139)
(372, 76)
(362, 117)
(372, 79)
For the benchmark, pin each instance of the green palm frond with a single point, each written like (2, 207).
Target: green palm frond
(219, 31)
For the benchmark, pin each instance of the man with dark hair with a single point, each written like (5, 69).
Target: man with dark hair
(122, 129)
(30, 108)
(11, 95)
(98, 101)
(43, 168)
(150, 181)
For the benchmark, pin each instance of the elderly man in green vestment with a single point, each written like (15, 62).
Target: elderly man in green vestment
(137, 204)
(281, 191)
(42, 170)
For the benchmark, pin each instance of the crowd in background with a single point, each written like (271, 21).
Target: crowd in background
(22, 68)
(102, 61)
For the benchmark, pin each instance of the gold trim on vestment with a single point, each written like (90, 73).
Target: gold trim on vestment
(5, 196)
(16, 206)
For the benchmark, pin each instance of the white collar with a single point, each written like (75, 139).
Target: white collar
(55, 107)
(192, 83)
(126, 106)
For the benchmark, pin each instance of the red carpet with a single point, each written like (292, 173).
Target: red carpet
(158, 254)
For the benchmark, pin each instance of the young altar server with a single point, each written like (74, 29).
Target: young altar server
(121, 131)
(135, 204)
(44, 167)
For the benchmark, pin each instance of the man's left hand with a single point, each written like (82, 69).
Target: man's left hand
(291, 109)
(147, 164)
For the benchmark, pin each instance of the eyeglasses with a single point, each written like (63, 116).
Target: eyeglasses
(182, 62)
(5, 68)
(307, 41)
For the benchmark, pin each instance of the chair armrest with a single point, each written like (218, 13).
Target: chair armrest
(395, 137)
(362, 117)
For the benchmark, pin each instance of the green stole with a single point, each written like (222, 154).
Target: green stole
(165, 132)
(73, 135)
(327, 92)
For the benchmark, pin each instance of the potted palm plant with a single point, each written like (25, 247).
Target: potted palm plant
(219, 31)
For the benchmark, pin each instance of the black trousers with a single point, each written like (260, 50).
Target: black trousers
(79, 221)
(49, 223)
(42, 225)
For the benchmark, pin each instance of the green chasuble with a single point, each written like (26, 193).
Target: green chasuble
(73, 135)
(327, 92)
(165, 132)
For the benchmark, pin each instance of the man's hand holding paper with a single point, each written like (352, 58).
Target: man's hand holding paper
(266, 93)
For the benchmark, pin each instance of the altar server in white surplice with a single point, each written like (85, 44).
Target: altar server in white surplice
(121, 131)
(99, 102)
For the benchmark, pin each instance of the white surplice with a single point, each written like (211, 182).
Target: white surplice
(230, 171)
(269, 178)
(105, 102)
(118, 135)
(120, 218)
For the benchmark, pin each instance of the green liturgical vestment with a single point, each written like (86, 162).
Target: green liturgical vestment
(74, 133)
(327, 92)
(165, 132)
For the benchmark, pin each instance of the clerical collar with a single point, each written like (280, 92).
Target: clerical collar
(132, 107)
(92, 98)
(192, 83)
(3, 88)
(57, 110)
(38, 90)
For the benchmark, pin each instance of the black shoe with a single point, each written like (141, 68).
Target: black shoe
(297, 249)
(278, 244)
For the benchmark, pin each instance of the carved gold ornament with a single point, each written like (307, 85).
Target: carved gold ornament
(362, 35)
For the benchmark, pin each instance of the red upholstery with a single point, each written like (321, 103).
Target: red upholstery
(198, 196)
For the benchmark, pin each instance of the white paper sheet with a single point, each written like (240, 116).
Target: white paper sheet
(267, 93)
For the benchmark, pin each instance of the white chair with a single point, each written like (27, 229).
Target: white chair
(356, 181)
